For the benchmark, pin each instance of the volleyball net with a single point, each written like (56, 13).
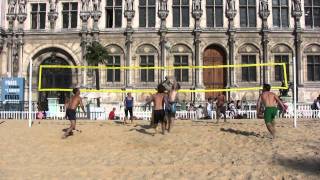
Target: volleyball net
(59, 77)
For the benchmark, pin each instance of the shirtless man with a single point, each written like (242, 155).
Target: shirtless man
(158, 111)
(71, 108)
(171, 104)
(221, 107)
(271, 102)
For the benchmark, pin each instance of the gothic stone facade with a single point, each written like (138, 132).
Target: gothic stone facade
(166, 33)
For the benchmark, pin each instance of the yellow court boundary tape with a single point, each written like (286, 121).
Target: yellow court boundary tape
(164, 68)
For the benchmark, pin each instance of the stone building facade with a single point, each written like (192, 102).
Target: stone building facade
(164, 33)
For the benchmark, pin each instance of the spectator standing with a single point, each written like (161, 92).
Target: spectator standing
(209, 108)
(128, 104)
(221, 100)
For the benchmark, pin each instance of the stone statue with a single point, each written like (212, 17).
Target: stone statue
(264, 5)
(231, 5)
(12, 6)
(297, 5)
(22, 6)
(130, 5)
(53, 5)
(96, 5)
(197, 4)
(163, 5)
(85, 5)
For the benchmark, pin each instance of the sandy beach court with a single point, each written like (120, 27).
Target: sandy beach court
(239, 149)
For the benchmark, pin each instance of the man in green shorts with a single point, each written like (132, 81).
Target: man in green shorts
(270, 102)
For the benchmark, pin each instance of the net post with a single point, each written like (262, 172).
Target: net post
(294, 92)
(30, 93)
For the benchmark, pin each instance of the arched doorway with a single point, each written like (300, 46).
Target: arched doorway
(55, 78)
(214, 78)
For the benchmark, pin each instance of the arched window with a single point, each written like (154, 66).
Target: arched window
(312, 53)
(214, 13)
(147, 58)
(249, 54)
(248, 14)
(147, 13)
(114, 60)
(181, 57)
(312, 13)
(282, 54)
(180, 13)
(113, 13)
(280, 13)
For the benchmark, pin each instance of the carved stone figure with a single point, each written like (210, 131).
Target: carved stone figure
(96, 5)
(163, 5)
(12, 6)
(22, 6)
(53, 5)
(231, 5)
(297, 5)
(264, 5)
(130, 5)
(85, 5)
(197, 5)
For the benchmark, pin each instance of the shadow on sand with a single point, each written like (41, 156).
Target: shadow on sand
(305, 165)
(142, 129)
(244, 133)
(2, 122)
(118, 122)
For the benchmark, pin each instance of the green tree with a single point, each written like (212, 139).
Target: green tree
(96, 54)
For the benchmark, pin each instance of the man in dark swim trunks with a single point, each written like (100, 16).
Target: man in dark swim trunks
(158, 112)
(71, 108)
(221, 108)
(270, 101)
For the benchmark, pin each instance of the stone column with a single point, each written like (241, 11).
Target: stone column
(10, 18)
(21, 17)
(297, 13)
(129, 14)
(3, 63)
(264, 14)
(84, 16)
(231, 13)
(197, 13)
(2, 39)
(128, 77)
(163, 14)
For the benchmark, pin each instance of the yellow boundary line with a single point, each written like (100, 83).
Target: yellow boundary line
(167, 67)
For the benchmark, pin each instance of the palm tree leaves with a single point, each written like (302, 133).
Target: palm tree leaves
(96, 54)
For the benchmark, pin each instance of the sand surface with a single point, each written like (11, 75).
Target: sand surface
(240, 149)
